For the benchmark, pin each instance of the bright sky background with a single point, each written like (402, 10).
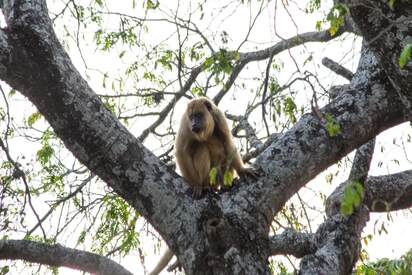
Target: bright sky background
(391, 245)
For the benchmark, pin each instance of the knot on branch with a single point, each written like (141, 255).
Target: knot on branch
(213, 227)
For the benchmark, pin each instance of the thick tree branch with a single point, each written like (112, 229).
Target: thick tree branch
(338, 242)
(358, 173)
(382, 193)
(362, 161)
(294, 243)
(389, 193)
(387, 31)
(57, 255)
(338, 238)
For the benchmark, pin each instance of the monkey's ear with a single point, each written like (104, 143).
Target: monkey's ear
(208, 106)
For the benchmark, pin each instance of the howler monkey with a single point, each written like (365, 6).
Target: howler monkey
(204, 142)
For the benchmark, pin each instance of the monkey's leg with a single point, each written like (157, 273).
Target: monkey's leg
(190, 166)
(201, 162)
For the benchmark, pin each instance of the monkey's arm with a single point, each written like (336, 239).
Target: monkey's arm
(238, 164)
(222, 127)
(240, 167)
(230, 148)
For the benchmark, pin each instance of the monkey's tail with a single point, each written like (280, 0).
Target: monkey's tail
(164, 260)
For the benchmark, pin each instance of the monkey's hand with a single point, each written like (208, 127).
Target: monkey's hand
(248, 172)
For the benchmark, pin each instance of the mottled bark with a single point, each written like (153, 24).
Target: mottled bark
(293, 243)
(387, 31)
(57, 255)
(389, 193)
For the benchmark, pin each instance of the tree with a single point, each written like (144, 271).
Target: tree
(229, 232)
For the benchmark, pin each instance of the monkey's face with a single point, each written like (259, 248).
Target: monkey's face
(201, 119)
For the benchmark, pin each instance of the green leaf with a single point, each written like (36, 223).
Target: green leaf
(352, 198)
(208, 63)
(117, 225)
(222, 61)
(228, 178)
(165, 60)
(151, 5)
(213, 176)
(332, 126)
(346, 209)
(318, 25)
(405, 56)
(4, 270)
(82, 237)
(12, 92)
(391, 3)
(290, 109)
(197, 91)
(274, 86)
(196, 52)
(45, 153)
(313, 6)
(33, 118)
(336, 18)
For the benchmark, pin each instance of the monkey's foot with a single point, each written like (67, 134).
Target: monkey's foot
(198, 191)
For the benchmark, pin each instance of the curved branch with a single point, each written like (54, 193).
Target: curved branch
(382, 193)
(294, 243)
(389, 193)
(57, 255)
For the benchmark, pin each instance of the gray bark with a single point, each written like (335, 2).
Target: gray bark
(57, 255)
(226, 233)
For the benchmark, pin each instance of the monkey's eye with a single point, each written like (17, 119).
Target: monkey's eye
(208, 105)
(196, 116)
